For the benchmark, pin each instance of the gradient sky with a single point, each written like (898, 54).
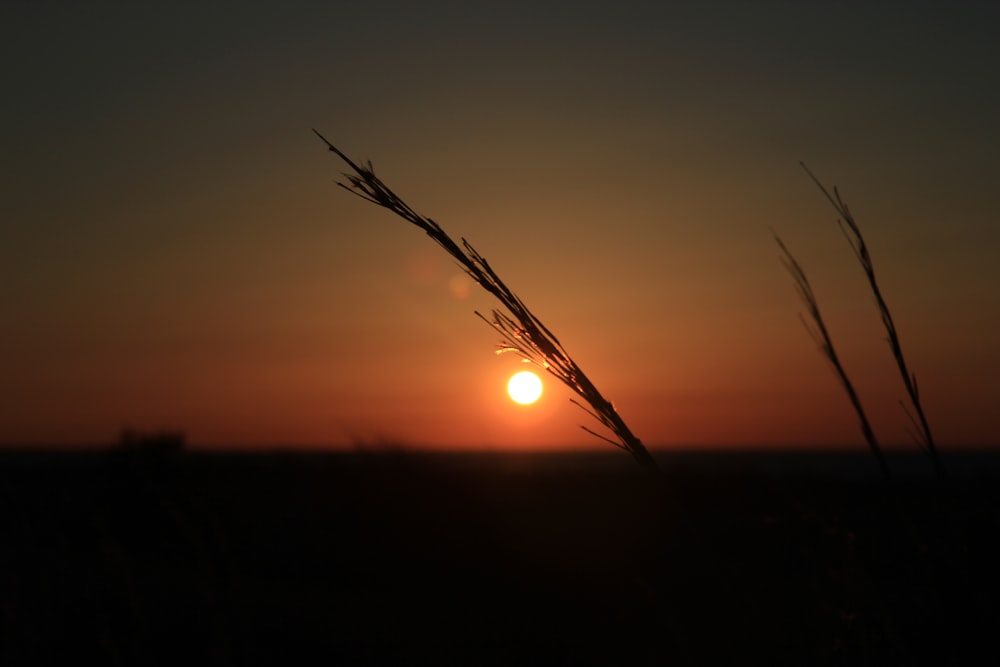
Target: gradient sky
(174, 252)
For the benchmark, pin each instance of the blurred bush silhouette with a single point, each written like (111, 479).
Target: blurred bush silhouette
(163, 442)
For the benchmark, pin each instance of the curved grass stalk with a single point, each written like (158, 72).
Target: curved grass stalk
(520, 330)
(822, 337)
(853, 235)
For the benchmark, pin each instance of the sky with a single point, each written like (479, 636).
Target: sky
(175, 253)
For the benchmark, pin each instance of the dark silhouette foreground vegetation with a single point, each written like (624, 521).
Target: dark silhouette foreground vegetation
(852, 232)
(520, 330)
(507, 559)
(821, 335)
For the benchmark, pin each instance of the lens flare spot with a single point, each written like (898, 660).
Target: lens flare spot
(460, 285)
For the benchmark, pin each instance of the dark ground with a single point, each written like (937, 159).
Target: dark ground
(139, 557)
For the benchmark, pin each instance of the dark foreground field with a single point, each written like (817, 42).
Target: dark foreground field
(160, 557)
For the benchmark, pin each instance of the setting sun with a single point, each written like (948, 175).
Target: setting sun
(524, 387)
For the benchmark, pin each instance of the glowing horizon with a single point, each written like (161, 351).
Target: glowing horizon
(176, 254)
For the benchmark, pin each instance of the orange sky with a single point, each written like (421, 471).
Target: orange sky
(175, 253)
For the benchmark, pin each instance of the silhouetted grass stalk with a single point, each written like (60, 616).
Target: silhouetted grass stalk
(822, 338)
(854, 237)
(520, 329)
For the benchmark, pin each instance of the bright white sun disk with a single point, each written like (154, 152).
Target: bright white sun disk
(524, 387)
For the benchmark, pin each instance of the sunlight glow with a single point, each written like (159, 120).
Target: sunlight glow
(524, 387)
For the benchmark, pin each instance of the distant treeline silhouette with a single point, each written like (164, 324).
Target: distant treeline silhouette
(153, 442)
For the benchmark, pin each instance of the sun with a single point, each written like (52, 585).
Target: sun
(524, 387)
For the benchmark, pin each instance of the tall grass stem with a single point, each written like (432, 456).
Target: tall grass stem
(852, 233)
(520, 330)
(822, 337)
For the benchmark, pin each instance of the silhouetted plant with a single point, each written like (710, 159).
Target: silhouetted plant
(852, 233)
(159, 442)
(521, 331)
(822, 338)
